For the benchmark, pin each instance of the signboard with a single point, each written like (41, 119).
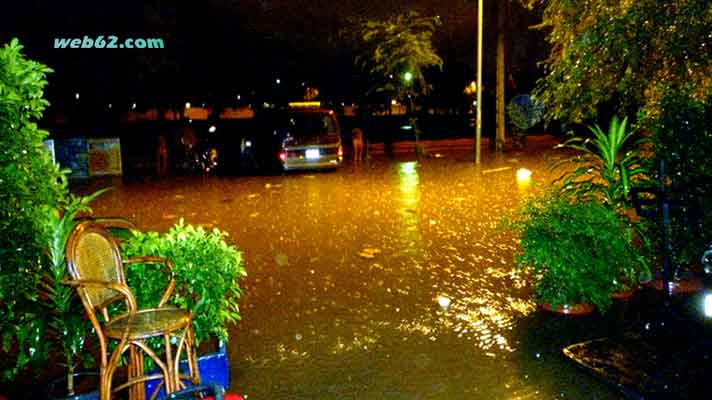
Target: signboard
(72, 154)
(237, 113)
(49, 145)
(104, 156)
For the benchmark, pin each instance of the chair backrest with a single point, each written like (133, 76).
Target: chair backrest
(91, 253)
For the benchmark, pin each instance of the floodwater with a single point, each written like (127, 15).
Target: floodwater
(387, 280)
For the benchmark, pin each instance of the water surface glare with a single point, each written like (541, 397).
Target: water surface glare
(385, 280)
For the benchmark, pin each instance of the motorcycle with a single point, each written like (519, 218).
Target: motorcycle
(199, 156)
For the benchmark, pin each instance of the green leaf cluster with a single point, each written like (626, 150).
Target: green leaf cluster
(577, 251)
(605, 165)
(30, 184)
(207, 273)
(390, 48)
(624, 54)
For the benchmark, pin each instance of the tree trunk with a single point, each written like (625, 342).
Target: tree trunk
(502, 17)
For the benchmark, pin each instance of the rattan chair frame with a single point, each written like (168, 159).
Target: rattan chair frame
(96, 296)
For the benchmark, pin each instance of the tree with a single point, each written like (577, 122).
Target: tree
(624, 55)
(503, 12)
(396, 51)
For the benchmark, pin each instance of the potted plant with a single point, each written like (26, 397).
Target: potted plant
(573, 249)
(66, 322)
(207, 273)
(604, 168)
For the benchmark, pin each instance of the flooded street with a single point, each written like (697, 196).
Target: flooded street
(387, 280)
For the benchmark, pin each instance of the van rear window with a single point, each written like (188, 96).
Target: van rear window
(310, 125)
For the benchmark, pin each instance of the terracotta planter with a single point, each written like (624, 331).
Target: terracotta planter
(570, 309)
(624, 295)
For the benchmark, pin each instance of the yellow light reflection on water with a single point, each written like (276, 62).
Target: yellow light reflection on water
(524, 175)
(410, 195)
(408, 168)
(524, 178)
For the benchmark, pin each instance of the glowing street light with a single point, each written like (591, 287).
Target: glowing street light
(187, 104)
(408, 76)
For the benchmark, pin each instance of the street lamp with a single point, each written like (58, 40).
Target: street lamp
(478, 134)
(408, 78)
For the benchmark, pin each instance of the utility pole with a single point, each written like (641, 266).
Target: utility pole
(502, 15)
(478, 135)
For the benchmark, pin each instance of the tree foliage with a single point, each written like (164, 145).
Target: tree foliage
(390, 48)
(625, 54)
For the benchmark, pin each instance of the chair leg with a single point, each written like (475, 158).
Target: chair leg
(104, 384)
(137, 391)
(186, 344)
(192, 356)
(107, 371)
(172, 378)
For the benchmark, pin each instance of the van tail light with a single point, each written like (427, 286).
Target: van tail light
(283, 155)
(341, 152)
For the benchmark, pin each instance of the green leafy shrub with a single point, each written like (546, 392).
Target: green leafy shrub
(207, 272)
(66, 322)
(30, 184)
(576, 251)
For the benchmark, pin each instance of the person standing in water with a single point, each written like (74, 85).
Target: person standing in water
(357, 141)
(161, 157)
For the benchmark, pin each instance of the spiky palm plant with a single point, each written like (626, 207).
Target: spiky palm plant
(606, 165)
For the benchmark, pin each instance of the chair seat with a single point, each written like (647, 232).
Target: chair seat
(149, 323)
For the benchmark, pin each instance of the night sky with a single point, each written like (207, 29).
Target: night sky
(216, 49)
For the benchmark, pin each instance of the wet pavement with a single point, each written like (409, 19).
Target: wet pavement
(386, 280)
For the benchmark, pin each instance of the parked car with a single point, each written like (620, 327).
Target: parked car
(311, 139)
(301, 138)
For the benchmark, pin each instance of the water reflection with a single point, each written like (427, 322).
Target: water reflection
(409, 199)
(388, 279)
(524, 180)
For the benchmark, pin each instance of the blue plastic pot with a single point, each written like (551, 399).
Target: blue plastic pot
(213, 367)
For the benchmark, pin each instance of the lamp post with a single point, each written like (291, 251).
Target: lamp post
(478, 134)
(408, 78)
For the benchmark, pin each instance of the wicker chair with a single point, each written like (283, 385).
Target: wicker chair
(97, 272)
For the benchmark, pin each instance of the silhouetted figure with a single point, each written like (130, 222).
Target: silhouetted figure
(357, 140)
(161, 157)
